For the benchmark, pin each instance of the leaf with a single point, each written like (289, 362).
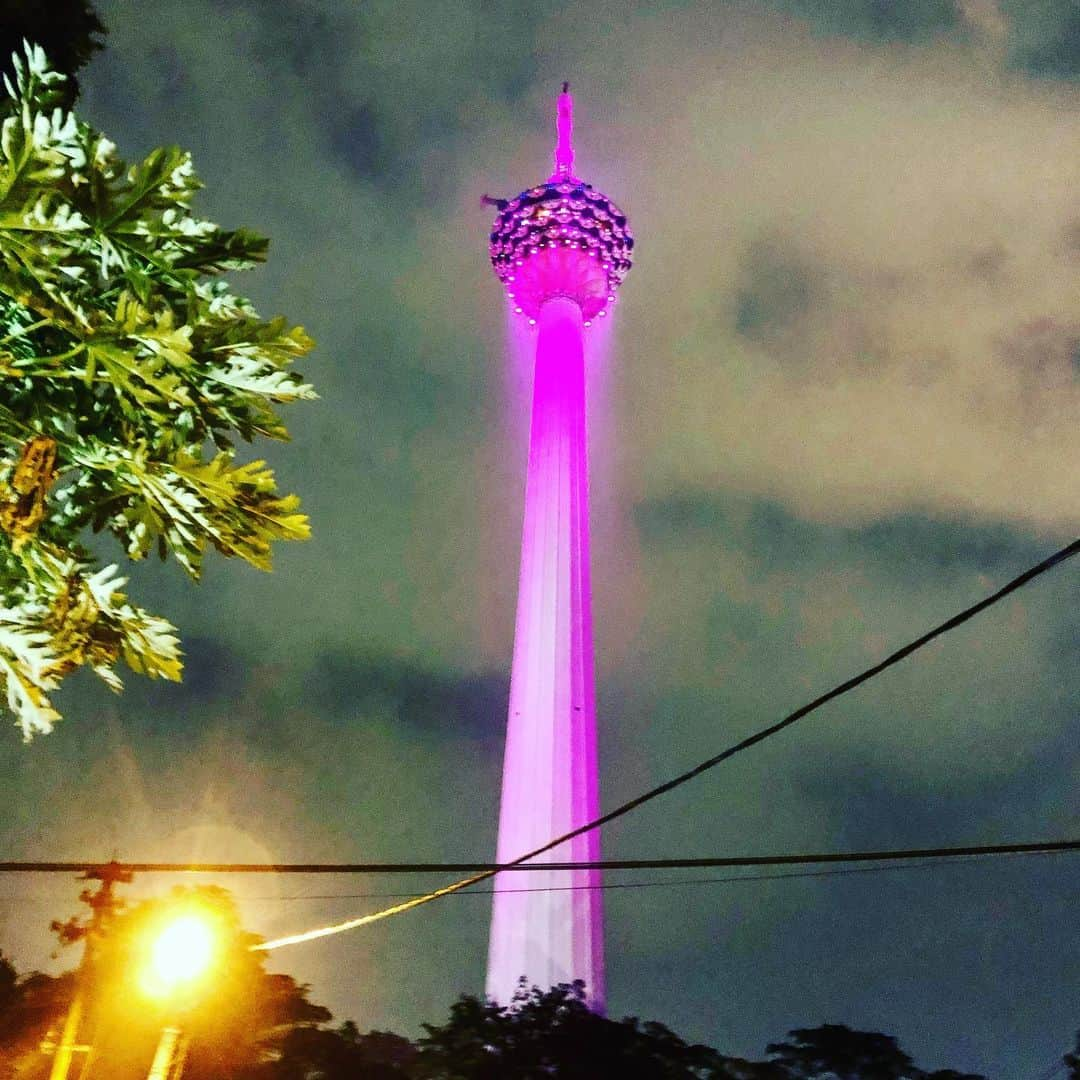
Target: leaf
(148, 643)
(125, 354)
(25, 659)
(223, 250)
(163, 176)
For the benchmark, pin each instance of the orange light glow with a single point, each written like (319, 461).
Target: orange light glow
(180, 954)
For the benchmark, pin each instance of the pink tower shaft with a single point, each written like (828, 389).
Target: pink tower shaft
(554, 932)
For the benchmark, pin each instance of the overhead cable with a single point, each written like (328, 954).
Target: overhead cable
(658, 883)
(1030, 847)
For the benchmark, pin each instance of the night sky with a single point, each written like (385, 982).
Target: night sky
(842, 405)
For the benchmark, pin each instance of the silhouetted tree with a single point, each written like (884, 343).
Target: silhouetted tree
(552, 1033)
(836, 1052)
(30, 1006)
(314, 1053)
(247, 1024)
(8, 984)
(1072, 1061)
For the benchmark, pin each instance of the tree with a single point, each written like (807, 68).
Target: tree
(950, 1074)
(1072, 1061)
(553, 1034)
(127, 371)
(31, 1007)
(245, 1023)
(314, 1053)
(836, 1052)
(68, 30)
(8, 981)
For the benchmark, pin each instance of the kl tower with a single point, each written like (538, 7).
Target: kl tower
(561, 249)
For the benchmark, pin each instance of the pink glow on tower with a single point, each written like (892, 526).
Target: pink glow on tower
(561, 249)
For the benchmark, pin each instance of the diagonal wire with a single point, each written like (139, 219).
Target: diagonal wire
(961, 617)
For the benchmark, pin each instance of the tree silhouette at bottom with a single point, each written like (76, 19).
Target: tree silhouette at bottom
(552, 1033)
(245, 1023)
(836, 1052)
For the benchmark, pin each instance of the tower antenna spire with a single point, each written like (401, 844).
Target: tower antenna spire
(564, 128)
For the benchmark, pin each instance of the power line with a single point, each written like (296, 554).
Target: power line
(928, 864)
(1032, 847)
(675, 882)
(959, 619)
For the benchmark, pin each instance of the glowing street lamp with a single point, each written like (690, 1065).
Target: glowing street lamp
(180, 955)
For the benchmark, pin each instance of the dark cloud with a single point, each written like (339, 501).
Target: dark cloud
(1057, 54)
(885, 803)
(390, 83)
(213, 668)
(1044, 352)
(423, 699)
(355, 137)
(885, 20)
(777, 286)
(775, 537)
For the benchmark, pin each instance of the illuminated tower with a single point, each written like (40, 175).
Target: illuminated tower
(561, 249)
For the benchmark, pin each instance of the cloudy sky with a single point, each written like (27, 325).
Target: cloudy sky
(841, 403)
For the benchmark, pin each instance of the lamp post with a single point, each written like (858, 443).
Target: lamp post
(169, 1057)
(180, 955)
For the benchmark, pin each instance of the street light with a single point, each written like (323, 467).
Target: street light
(181, 953)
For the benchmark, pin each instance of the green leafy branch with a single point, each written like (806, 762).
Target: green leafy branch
(128, 371)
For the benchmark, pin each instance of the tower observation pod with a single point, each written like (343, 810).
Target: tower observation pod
(561, 249)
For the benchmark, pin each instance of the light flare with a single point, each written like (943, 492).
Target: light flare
(180, 954)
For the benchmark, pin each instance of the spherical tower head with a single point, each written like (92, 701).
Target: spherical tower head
(561, 238)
